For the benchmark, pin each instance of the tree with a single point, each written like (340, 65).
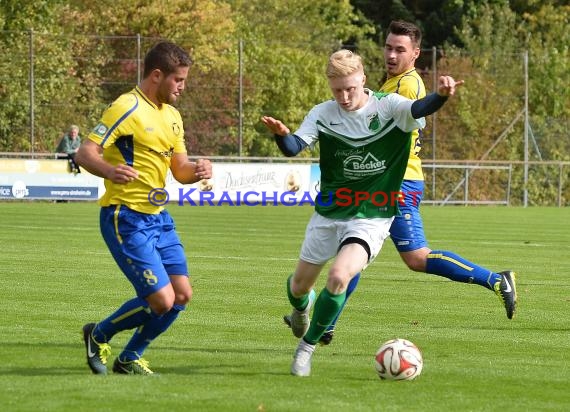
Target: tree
(436, 18)
(286, 48)
(548, 43)
(203, 27)
(24, 25)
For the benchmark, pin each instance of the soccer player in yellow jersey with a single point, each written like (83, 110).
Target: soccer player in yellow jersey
(139, 137)
(402, 48)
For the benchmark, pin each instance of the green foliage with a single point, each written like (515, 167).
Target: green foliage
(491, 97)
(205, 27)
(494, 36)
(285, 46)
(23, 15)
(548, 41)
(14, 95)
(51, 68)
(284, 63)
(494, 39)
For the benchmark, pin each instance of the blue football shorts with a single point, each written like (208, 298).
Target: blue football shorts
(407, 230)
(146, 247)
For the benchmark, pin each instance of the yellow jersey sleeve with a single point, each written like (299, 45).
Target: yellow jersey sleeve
(410, 85)
(136, 132)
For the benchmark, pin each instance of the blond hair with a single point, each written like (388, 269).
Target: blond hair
(344, 63)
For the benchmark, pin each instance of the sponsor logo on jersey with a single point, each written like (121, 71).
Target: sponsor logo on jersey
(349, 152)
(357, 166)
(166, 153)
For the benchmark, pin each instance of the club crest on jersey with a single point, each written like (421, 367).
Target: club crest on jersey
(100, 130)
(357, 166)
(176, 128)
(373, 121)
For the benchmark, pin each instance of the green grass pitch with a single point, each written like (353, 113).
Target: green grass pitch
(230, 350)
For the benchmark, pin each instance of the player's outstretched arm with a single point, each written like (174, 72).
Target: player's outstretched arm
(288, 143)
(275, 126)
(430, 104)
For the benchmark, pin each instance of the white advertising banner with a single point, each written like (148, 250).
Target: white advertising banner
(247, 184)
(45, 179)
(233, 184)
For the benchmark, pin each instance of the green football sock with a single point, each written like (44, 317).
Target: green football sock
(326, 309)
(298, 303)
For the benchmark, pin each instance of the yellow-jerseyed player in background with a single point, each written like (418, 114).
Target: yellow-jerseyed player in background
(401, 49)
(139, 137)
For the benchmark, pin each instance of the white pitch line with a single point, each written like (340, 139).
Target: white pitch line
(257, 258)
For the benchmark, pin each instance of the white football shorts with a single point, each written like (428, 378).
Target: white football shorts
(323, 236)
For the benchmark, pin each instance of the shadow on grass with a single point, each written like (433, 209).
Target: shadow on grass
(45, 371)
(212, 364)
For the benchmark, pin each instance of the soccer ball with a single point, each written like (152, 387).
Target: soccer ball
(398, 359)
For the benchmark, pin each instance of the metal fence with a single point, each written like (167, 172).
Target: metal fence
(471, 182)
(38, 73)
(34, 114)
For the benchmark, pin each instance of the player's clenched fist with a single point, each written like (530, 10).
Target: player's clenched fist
(203, 169)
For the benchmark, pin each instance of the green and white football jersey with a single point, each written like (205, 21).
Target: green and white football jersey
(364, 154)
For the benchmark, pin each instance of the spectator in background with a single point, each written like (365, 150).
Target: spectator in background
(68, 145)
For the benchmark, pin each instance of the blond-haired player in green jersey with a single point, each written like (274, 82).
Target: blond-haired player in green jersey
(401, 49)
(364, 139)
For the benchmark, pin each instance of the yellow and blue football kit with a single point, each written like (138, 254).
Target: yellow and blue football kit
(136, 132)
(140, 235)
(409, 84)
(407, 231)
(140, 136)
